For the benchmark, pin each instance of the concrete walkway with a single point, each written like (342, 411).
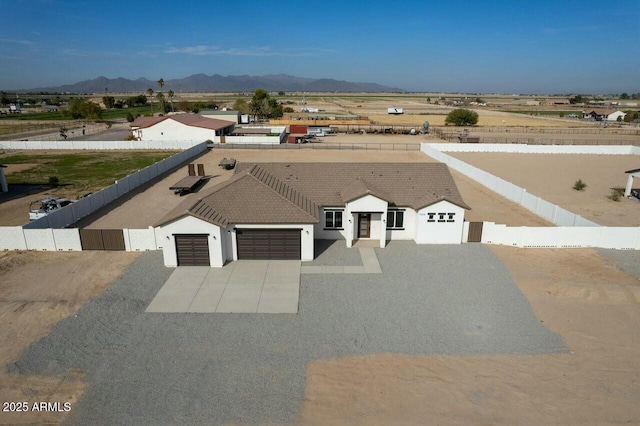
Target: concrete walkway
(246, 286)
(370, 265)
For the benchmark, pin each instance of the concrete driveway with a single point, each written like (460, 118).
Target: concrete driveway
(244, 286)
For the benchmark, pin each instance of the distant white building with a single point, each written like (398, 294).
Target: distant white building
(394, 111)
(185, 127)
(614, 116)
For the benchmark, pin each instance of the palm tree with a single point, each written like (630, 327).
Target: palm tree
(150, 93)
(171, 95)
(160, 98)
(161, 85)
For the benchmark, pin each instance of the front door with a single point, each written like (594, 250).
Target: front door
(364, 225)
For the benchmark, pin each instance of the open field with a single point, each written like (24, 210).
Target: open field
(38, 290)
(145, 206)
(551, 176)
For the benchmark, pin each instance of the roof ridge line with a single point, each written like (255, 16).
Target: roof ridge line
(294, 192)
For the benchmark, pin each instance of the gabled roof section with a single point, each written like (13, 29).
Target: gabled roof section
(144, 122)
(196, 120)
(359, 188)
(633, 171)
(193, 120)
(253, 196)
(412, 185)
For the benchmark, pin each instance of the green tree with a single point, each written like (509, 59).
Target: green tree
(109, 101)
(281, 93)
(185, 106)
(130, 117)
(242, 106)
(625, 95)
(171, 95)
(161, 98)
(461, 117)
(4, 98)
(80, 108)
(577, 99)
(150, 94)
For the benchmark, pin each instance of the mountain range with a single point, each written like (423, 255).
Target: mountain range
(219, 83)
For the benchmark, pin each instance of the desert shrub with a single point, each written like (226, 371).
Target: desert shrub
(130, 137)
(54, 180)
(579, 185)
(616, 193)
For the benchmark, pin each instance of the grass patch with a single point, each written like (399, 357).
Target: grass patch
(79, 173)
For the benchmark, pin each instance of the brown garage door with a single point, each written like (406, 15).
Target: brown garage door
(268, 244)
(192, 250)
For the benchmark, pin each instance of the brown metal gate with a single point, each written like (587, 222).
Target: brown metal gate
(102, 239)
(475, 232)
(268, 244)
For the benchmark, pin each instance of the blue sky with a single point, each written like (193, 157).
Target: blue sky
(557, 46)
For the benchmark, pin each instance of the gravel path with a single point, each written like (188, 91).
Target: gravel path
(627, 260)
(248, 368)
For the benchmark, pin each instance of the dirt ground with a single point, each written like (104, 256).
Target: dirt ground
(552, 176)
(586, 299)
(148, 205)
(37, 289)
(592, 304)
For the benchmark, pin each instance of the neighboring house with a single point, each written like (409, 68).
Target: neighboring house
(276, 210)
(184, 127)
(600, 114)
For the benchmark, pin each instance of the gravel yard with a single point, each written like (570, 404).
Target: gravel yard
(247, 368)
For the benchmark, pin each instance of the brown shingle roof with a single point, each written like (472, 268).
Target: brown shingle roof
(193, 120)
(359, 188)
(414, 185)
(253, 196)
(279, 193)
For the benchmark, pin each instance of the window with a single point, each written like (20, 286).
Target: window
(395, 219)
(431, 217)
(441, 217)
(451, 219)
(333, 219)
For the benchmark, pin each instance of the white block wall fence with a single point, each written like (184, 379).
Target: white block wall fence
(74, 212)
(99, 145)
(573, 231)
(50, 232)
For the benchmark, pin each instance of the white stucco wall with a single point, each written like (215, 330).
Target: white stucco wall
(409, 231)
(169, 130)
(191, 225)
(440, 232)
(366, 204)
(306, 235)
(329, 234)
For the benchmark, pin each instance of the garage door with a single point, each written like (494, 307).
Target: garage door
(268, 244)
(192, 250)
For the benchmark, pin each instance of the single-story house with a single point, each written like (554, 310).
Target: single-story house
(600, 114)
(276, 210)
(184, 127)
